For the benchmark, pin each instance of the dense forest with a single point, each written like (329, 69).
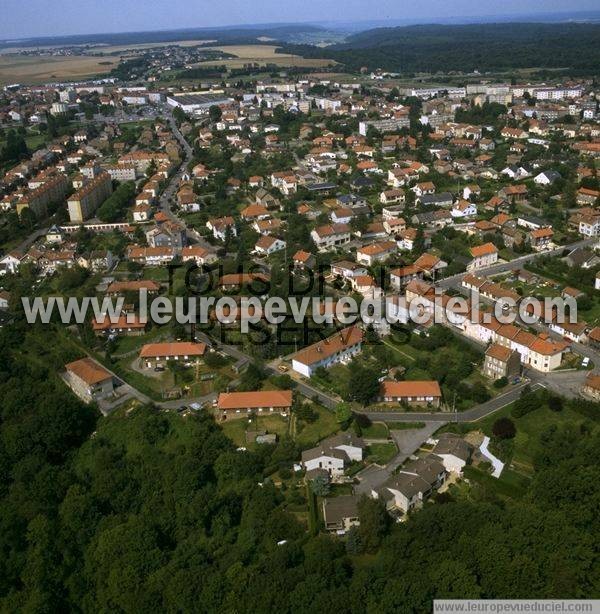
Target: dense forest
(465, 48)
(150, 511)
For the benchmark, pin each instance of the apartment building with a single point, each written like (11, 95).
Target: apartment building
(50, 191)
(83, 204)
(341, 347)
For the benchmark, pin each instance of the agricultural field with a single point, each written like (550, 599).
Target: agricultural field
(262, 54)
(39, 69)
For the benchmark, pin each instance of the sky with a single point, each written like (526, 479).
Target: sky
(25, 18)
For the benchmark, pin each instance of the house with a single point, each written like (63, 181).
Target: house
(221, 227)
(268, 245)
(333, 455)
(501, 361)
(255, 212)
(425, 393)
(234, 281)
(443, 199)
(150, 256)
(347, 269)
(127, 326)
(430, 264)
(167, 234)
(10, 263)
(237, 404)
(394, 212)
(412, 486)
(453, 451)
(581, 257)
(482, 256)
(120, 288)
(55, 235)
(199, 255)
(158, 354)
(394, 225)
(463, 208)
(285, 182)
(514, 193)
(587, 196)
(591, 386)
(388, 197)
(547, 177)
(340, 514)
(331, 236)
(340, 347)
(376, 252)
(575, 331)
(515, 172)
(541, 239)
(432, 219)
(89, 380)
(401, 276)
(142, 213)
(304, 260)
(472, 190)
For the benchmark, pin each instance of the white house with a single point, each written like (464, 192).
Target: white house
(453, 451)
(341, 347)
(333, 455)
(268, 245)
(547, 177)
(331, 236)
(483, 256)
(463, 208)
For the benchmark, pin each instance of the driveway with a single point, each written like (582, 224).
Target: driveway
(408, 442)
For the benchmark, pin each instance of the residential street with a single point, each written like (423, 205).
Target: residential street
(408, 442)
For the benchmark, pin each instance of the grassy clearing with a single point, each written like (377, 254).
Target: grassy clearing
(381, 453)
(236, 429)
(308, 435)
(377, 430)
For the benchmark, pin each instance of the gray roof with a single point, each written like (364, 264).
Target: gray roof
(427, 469)
(409, 485)
(336, 509)
(449, 443)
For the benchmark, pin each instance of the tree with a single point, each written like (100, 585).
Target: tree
(343, 412)
(320, 485)
(363, 384)
(504, 428)
(375, 523)
(555, 403)
(252, 378)
(215, 113)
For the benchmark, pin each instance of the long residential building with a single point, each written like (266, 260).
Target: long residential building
(341, 347)
(52, 190)
(83, 204)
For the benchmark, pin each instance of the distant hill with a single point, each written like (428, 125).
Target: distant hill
(225, 35)
(483, 47)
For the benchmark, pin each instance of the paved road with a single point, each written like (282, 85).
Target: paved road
(503, 267)
(310, 392)
(408, 442)
(470, 415)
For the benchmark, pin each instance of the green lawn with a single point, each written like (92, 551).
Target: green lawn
(377, 430)
(308, 435)
(381, 453)
(512, 487)
(236, 429)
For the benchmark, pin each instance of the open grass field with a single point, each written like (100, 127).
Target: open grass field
(36, 69)
(262, 54)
